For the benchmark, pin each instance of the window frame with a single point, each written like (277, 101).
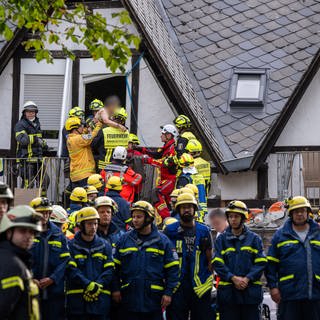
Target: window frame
(248, 102)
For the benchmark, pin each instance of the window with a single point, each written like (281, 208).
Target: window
(248, 87)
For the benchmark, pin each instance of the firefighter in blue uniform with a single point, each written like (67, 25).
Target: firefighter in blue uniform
(78, 199)
(239, 262)
(146, 268)
(108, 230)
(293, 272)
(193, 243)
(50, 255)
(89, 271)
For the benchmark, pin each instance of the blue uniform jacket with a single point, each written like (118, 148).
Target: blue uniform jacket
(201, 276)
(123, 216)
(294, 266)
(74, 207)
(50, 255)
(89, 262)
(146, 270)
(113, 235)
(239, 256)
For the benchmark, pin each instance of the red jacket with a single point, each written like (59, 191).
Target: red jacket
(157, 158)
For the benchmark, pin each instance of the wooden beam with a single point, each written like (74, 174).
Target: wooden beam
(135, 94)
(75, 81)
(263, 181)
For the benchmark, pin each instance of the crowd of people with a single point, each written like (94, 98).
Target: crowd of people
(110, 255)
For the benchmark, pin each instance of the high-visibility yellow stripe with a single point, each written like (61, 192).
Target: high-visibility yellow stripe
(228, 250)
(20, 132)
(36, 240)
(125, 285)
(156, 287)
(317, 277)
(257, 260)
(80, 256)
(108, 264)
(315, 242)
(258, 283)
(218, 259)
(171, 264)
(55, 243)
(75, 291)
(270, 258)
(250, 249)
(224, 283)
(290, 276)
(72, 263)
(63, 255)
(128, 220)
(117, 261)
(106, 292)
(10, 282)
(99, 255)
(283, 243)
(196, 268)
(155, 250)
(128, 249)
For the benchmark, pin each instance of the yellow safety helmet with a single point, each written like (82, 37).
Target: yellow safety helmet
(185, 190)
(182, 121)
(194, 188)
(298, 202)
(168, 221)
(121, 114)
(133, 138)
(186, 160)
(21, 216)
(96, 105)
(72, 123)
(79, 194)
(194, 146)
(175, 193)
(72, 220)
(186, 198)
(76, 112)
(106, 201)
(145, 207)
(91, 190)
(114, 183)
(59, 214)
(40, 204)
(87, 213)
(237, 207)
(96, 180)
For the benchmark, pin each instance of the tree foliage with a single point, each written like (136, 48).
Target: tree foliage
(53, 22)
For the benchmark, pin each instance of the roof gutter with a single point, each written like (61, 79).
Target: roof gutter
(239, 164)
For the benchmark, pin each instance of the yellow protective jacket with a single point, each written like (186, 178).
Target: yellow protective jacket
(204, 168)
(82, 163)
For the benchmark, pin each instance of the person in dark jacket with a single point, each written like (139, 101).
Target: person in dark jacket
(19, 295)
(50, 255)
(293, 272)
(89, 271)
(78, 200)
(30, 145)
(239, 261)
(146, 268)
(107, 229)
(122, 216)
(6, 199)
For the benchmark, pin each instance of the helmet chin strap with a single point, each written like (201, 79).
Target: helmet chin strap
(147, 221)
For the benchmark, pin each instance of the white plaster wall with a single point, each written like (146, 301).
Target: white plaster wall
(302, 128)
(238, 185)
(6, 106)
(272, 176)
(154, 109)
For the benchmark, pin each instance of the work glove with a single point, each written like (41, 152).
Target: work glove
(172, 161)
(92, 292)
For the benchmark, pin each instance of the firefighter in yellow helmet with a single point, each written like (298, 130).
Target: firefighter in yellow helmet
(92, 194)
(190, 175)
(90, 270)
(184, 125)
(109, 138)
(194, 147)
(294, 259)
(82, 163)
(193, 244)
(78, 199)
(50, 255)
(19, 295)
(97, 181)
(239, 261)
(155, 277)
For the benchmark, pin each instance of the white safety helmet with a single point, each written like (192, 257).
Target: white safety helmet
(30, 106)
(120, 153)
(170, 128)
(59, 214)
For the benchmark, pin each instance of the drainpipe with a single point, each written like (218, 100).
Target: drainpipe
(65, 101)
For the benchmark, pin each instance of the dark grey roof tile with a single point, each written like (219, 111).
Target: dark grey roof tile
(283, 20)
(280, 43)
(240, 17)
(238, 126)
(269, 36)
(258, 41)
(226, 33)
(267, 58)
(204, 31)
(248, 131)
(248, 120)
(206, 20)
(247, 143)
(248, 34)
(260, 126)
(236, 149)
(312, 50)
(214, 36)
(256, 63)
(261, 19)
(175, 11)
(208, 93)
(262, 9)
(301, 55)
(191, 46)
(236, 39)
(203, 42)
(250, 14)
(270, 119)
(228, 22)
(224, 44)
(241, 7)
(277, 64)
(257, 52)
(200, 75)
(279, 53)
(299, 66)
(306, 12)
(282, 32)
(227, 130)
(177, 2)
(236, 137)
(257, 137)
(268, 47)
(274, 4)
(295, 16)
(206, 83)
(229, 11)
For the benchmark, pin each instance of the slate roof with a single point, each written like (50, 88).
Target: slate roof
(210, 38)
